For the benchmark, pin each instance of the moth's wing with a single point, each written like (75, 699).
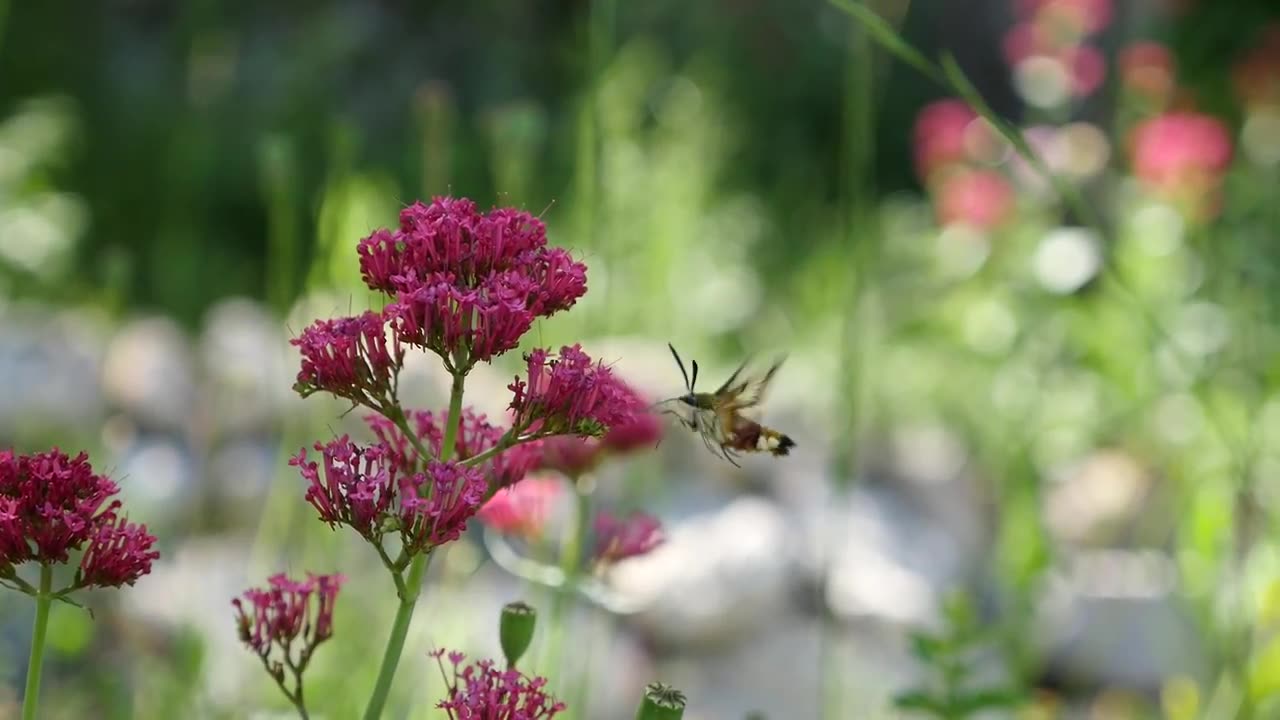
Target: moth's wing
(732, 378)
(750, 391)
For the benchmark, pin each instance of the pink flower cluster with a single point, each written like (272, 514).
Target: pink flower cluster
(468, 285)
(481, 690)
(350, 358)
(1183, 157)
(1058, 29)
(369, 490)
(285, 612)
(475, 435)
(570, 395)
(52, 504)
(621, 538)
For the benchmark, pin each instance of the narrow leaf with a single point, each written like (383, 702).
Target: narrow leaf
(888, 38)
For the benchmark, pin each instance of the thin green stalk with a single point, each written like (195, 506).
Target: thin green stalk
(412, 585)
(43, 600)
(570, 564)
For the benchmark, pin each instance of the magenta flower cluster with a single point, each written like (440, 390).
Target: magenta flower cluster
(351, 358)
(482, 690)
(52, 505)
(370, 490)
(468, 285)
(285, 622)
(570, 395)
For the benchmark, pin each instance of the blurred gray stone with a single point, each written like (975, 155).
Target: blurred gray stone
(150, 374)
(51, 361)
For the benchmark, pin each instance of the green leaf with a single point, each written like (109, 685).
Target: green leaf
(920, 702)
(927, 648)
(977, 700)
(888, 38)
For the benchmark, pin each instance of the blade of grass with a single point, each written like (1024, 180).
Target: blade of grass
(889, 39)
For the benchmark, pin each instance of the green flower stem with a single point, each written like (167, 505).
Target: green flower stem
(571, 556)
(412, 585)
(43, 600)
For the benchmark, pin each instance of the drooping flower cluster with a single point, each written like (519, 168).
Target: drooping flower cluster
(468, 285)
(482, 690)
(621, 538)
(350, 358)
(52, 505)
(475, 435)
(524, 508)
(371, 491)
(285, 622)
(570, 395)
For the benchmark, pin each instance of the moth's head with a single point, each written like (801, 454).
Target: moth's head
(691, 400)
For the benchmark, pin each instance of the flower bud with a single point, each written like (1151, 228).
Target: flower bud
(515, 630)
(661, 702)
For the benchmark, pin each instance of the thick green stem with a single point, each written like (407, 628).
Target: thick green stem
(412, 585)
(43, 600)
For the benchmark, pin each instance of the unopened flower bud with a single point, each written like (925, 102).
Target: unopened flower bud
(661, 702)
(515, 630)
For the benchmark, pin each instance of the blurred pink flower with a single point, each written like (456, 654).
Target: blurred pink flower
(523, 508)
(940, 136)
(1182, 157)
(980, 198)
(622, 538)
(1147, 68)
(1180, 147)
(1086, 68)
(52, 505)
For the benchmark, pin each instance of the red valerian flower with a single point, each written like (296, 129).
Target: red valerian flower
(369, 490)
(350, 358)
(436, 505)
(569, 395)
(524, 508)
(285, 611)
(475, 435)
(285, 622)
(622, 538)
(51, 505)
(482, 690)
(468, 285)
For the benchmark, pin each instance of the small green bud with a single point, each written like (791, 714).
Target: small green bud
(661, 702)
(515, 631)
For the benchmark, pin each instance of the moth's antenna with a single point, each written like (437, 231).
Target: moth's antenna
(695, 376)
(688, 385)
